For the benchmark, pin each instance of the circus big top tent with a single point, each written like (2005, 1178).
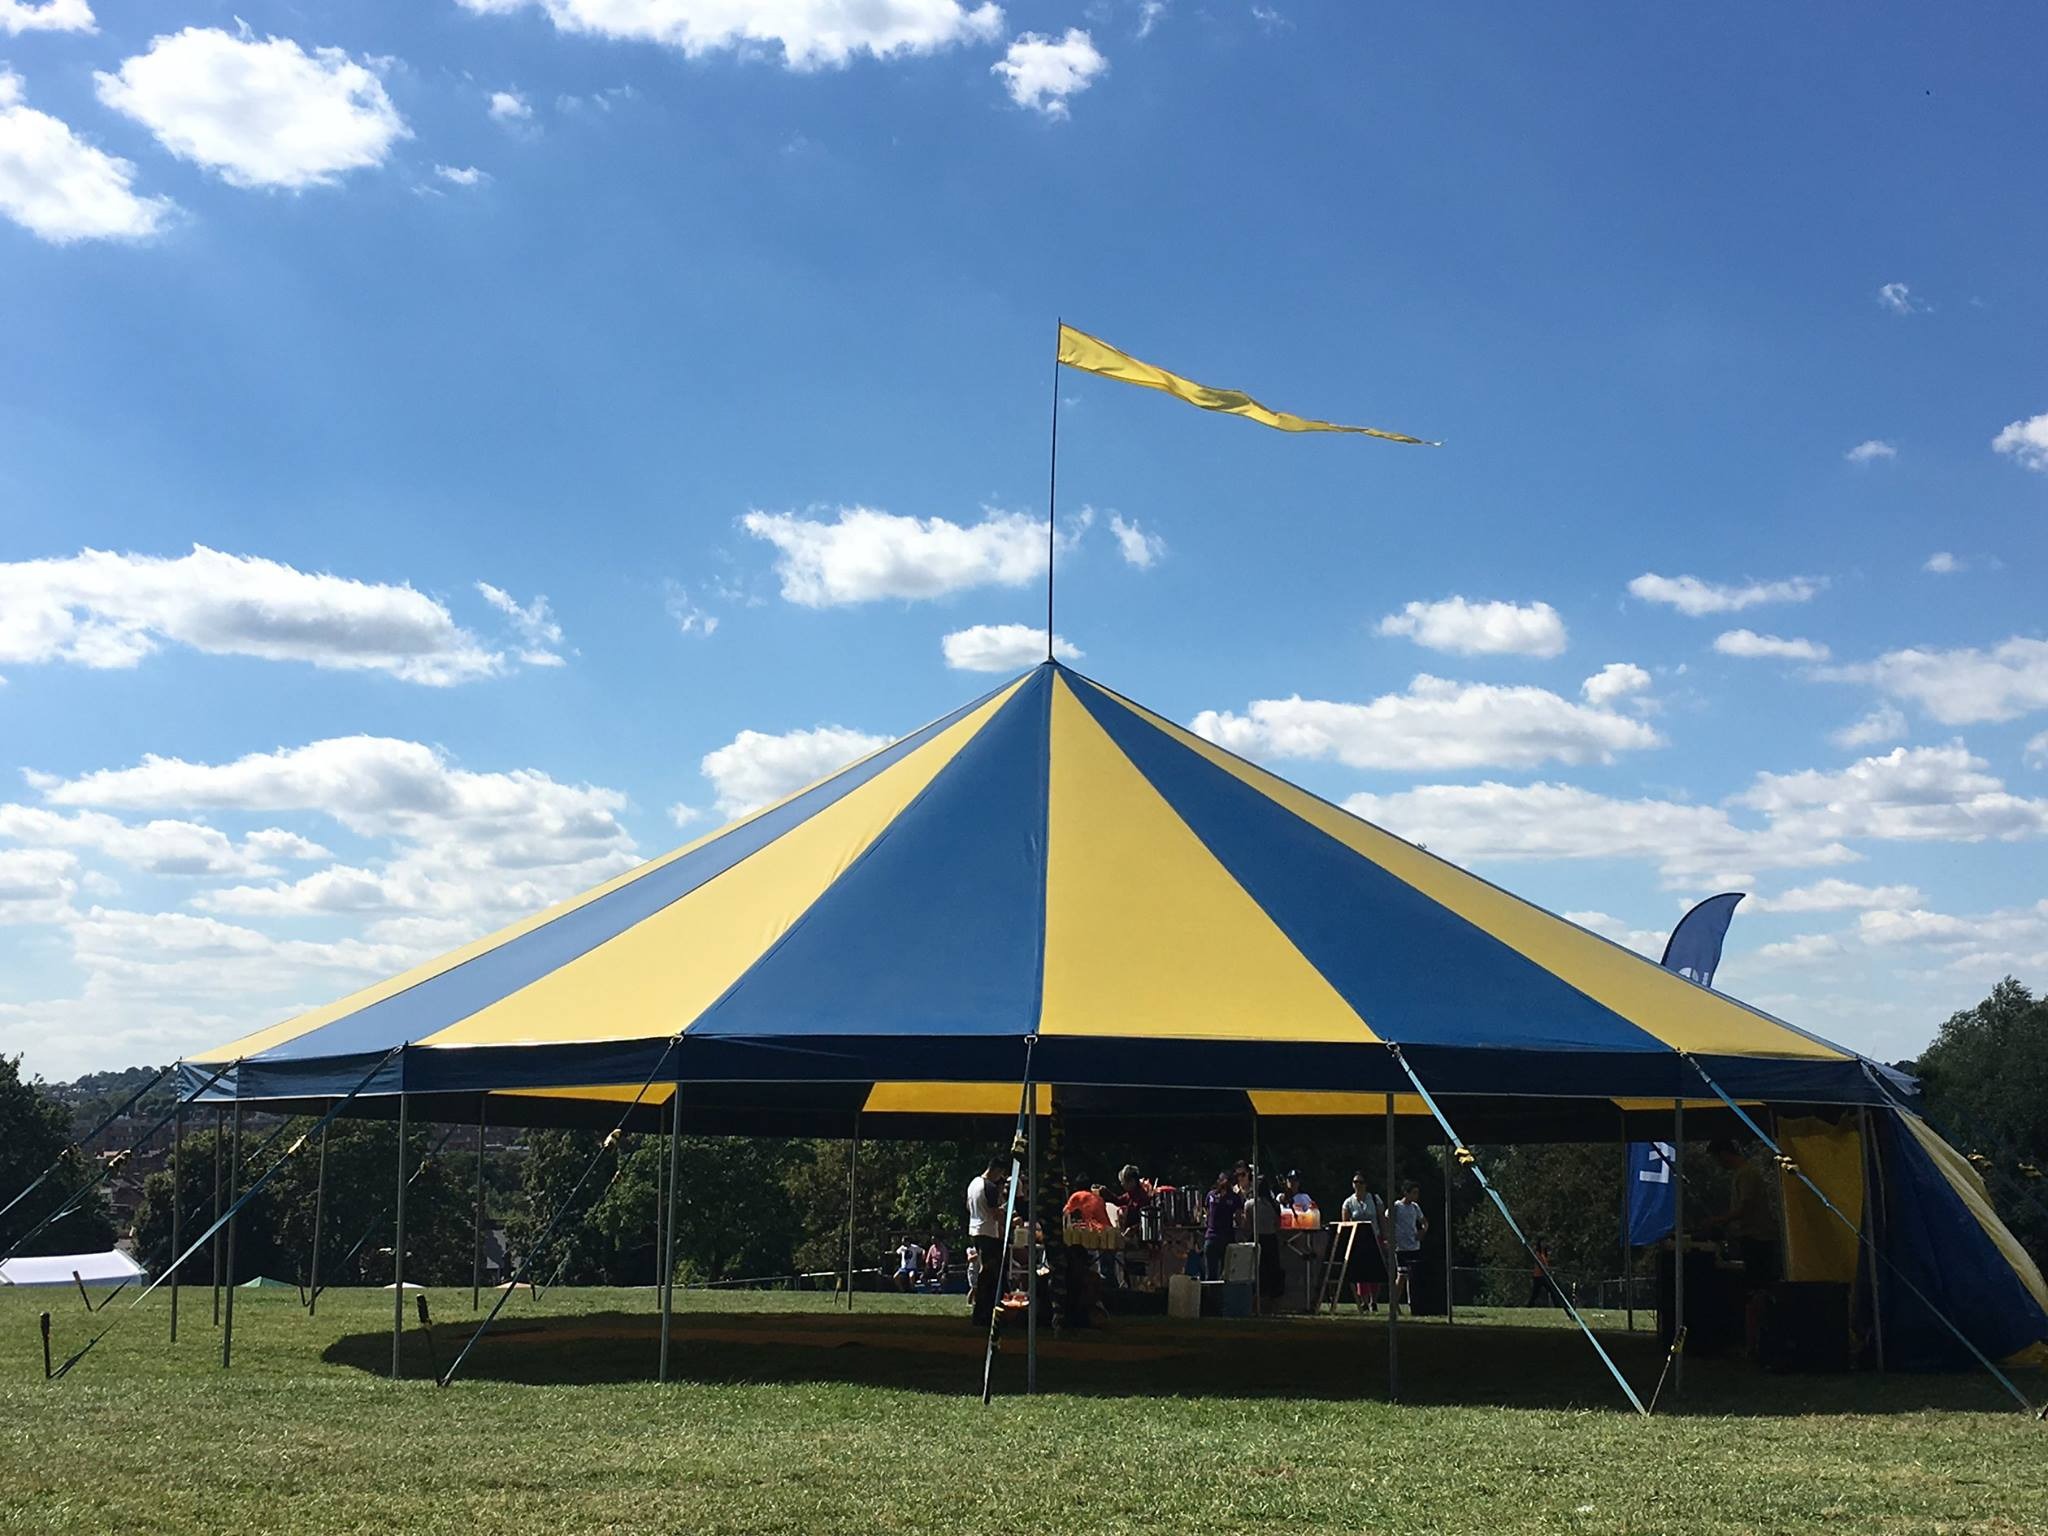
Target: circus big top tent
(1056, 886)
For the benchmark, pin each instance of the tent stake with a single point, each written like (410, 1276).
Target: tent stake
(852, 1172)
(1393, 1272)
(476, 1256)
(398, 1239)
(227, 1333)
(177, 1208)
(668, 1267)
(319, 1226)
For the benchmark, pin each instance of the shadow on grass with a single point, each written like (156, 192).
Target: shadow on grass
(1300, 1358)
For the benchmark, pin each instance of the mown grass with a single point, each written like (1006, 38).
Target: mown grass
(790, 1417)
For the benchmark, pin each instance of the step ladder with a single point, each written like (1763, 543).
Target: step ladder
(1337, 1263)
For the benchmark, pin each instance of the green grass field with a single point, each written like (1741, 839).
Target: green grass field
(790, 1417)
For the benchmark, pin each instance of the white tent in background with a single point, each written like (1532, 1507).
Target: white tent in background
(110, 1268)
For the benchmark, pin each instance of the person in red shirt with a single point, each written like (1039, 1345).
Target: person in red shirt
(1085, 1207)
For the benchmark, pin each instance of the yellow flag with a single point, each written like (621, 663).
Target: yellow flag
(1080, 350)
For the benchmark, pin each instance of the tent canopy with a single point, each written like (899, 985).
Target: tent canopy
(113, 1267)
(1050, 868)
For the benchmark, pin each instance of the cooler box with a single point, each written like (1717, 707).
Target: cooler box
(1183, 1296)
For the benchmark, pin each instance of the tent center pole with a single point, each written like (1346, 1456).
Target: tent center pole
(668, 1266)
(398, 1242)
(1628, 1290)
(1251, 1209)
(319, 1223)
(227, 1334)
(1031, 1290)
(1678, 1243)
(1393, 1271)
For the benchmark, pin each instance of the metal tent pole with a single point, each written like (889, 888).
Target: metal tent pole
(177, 1210)
(1251, 1208)
(1873, 1217)
(1678, 1242)
(668, 1268)
(1450, 1157)
(1393, 1273)
(398, 1242)
(1628, 1174)
(220, 1136)
(1031, 1245)
(319, 1227)
(227, 1334)
(852, 1173)
(476, 1251)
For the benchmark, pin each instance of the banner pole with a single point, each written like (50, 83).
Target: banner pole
(1052, 486)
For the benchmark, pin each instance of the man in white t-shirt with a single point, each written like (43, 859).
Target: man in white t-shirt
(985, 1199)
(1410, 1227)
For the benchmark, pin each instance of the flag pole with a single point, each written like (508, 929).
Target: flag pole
(1052, 486)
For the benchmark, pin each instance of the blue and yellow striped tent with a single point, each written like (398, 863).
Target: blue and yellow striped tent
(1050, 869)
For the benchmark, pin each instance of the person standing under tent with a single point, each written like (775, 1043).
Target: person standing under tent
(1225, 1205)
(1261, 1219)
(985, 1234)
(936, 1258)
(1367, 1271)
(1751, 1224)
(1410, 1228)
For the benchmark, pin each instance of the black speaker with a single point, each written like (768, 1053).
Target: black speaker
(1805, 1327)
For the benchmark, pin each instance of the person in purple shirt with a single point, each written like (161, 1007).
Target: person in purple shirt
(1224, 1205)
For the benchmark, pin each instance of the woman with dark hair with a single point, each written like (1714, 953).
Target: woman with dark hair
(1367, 1270)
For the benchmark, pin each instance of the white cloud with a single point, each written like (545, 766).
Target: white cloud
(62, 189)
(462, 175)
(865, 555)
(1435, 725)
(1041, 72)
(100, 609)
(1942, 563)
(1870, 450)
(686, 815)
(1002, 648)
(1150, 12)
(160, 847)
(2036, 751)
(1898, 298)
(36, 884)
(1970, 951)
(1833, 895)
(1962, 687)
(534, 623)
(688, 617)
(1480, 629)
(1615, 681)
(810, 34)
(509, 107)
(1748, 643)
(1909, 794)
(1695, 598)
(756, 769)
(1139, 548)
(2026, 441)
(1881, 725)
(262, 112)
(19, 16)
(1644, 941)
(1691, 844)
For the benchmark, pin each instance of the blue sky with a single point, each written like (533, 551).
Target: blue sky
(716, 338)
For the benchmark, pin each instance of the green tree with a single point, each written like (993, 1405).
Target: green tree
(1986, 1084)
(35, 1131)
